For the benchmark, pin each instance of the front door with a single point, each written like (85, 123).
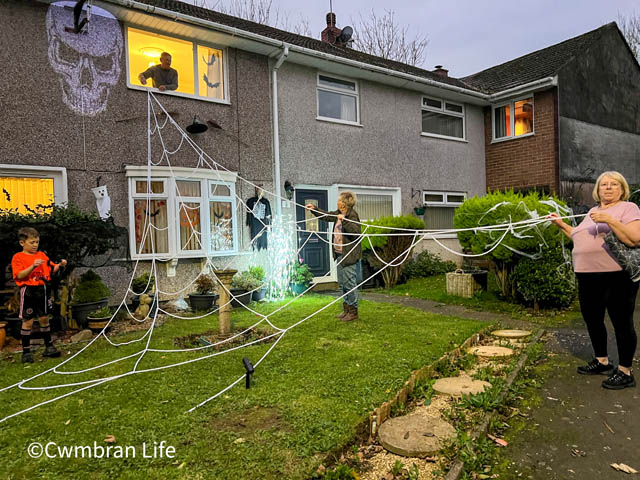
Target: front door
(314, 237)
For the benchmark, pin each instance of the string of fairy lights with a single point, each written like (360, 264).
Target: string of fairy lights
(283, 250)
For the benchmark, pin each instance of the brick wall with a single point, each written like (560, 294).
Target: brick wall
(528, 162)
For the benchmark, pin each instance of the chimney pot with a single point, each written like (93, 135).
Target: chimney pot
(443, 72)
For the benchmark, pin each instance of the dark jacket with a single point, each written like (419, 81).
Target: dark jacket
(351, 248)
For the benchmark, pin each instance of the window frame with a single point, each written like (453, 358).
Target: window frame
(512, 120)
(169, 175)
(444, 203)
(355, 94)
(195, 43)
(443, 111)
(57, 174)
(394, 192)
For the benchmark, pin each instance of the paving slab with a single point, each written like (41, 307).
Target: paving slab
(415, 435)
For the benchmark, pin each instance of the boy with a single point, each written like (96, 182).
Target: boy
(31, 270)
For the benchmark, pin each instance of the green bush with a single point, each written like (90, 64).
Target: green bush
(546, 282)
(205, 285)
(301, 273)
(90, 288)
(245, 281)
(257, 272)
(427, 264)
(390, 248)
(142, 284)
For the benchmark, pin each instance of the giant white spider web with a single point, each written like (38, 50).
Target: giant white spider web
(281, 228)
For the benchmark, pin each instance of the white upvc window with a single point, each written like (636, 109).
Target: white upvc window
(202, 68)
(177, 215)
(512, 119)
(440, 208)
(374, 202)
(23, 188)
(338, 99)
(442, 118)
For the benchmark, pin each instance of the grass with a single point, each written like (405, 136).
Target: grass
(307, 399)
(434, 288)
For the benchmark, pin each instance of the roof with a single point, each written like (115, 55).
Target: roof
(299, 40)
(534, 66)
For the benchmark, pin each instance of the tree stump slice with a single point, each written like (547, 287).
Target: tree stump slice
(489, 351)
(457, 386)
(415, 436)
(511, 333)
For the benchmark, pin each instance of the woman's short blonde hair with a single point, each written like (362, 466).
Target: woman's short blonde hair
(617, 176)
(348, 198)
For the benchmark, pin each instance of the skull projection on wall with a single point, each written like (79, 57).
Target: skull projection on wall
(88, 63)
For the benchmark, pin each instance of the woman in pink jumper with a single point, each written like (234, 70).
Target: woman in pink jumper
(602, 284)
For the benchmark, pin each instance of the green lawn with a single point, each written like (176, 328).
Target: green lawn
(308, 397)
(434, 288)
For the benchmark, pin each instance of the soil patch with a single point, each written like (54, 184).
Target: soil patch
(224, 342)
(250, 421)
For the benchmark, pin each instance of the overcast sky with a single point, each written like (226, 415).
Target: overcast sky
(467, 36)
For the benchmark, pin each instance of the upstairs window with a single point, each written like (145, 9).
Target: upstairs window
(337, 99)
(442, 118)
(513, 119)
(201, 70)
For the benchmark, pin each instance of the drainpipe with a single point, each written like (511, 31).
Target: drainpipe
(276, 133)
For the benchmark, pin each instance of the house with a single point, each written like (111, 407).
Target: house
(574, 112)
(302, 117)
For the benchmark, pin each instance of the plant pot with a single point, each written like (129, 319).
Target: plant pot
(96, 325)
(80, 311)
(298, 288)
(202, 302)
(240, 297)
(259, 294)
(3, 334)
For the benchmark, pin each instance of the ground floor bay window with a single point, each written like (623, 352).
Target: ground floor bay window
(176, 214)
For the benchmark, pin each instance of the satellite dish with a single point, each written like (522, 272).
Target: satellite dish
(197, 127)
(345, 35)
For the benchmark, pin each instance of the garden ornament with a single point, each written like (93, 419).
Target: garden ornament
(143, 308)
(103, 201)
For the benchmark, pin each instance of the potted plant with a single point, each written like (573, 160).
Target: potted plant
(204, 297)
(139, 285)
(257, 272)
(300, 277)
(98, 319)
(242, 286)
(89, 294)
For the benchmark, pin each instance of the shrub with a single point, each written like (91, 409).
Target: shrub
(245, 281)
(301, 273)
(257, 272)
(427, 264)
(545, 282)
(142, 284)
(90, 288)
(390, 248)
(205, 285)
(102, 313)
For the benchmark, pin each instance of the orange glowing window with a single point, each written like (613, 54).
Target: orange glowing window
(24, 193)
(513, 119)
(199, 67)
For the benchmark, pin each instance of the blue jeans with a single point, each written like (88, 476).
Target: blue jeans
(347, 280)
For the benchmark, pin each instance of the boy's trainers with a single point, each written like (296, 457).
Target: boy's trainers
(27, 357)
(619, 380)
(594, 367)
(51, 352)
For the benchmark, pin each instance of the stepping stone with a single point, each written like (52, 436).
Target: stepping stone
(511, 333)
(415, 435)
(457, 386)
(490, 351)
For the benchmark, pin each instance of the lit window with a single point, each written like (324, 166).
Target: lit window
(200, 67)
(337, 99)
(440, 208)
(513, 119)
(441, 118)
(183, 218)
(24, 189)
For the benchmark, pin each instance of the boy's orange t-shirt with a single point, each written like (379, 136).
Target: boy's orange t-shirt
(39, 275)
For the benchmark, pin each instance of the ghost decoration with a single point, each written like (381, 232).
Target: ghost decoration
(103, 202)
(88, 63)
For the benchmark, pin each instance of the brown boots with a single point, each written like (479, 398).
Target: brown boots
(345, 310)
(351, 314)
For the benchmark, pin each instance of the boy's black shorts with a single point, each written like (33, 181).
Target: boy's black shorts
(33, 301)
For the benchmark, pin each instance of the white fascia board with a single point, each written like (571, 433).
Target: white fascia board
(182, 172)
(520, 90)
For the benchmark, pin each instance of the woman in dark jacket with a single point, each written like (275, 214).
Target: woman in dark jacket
(346, 249)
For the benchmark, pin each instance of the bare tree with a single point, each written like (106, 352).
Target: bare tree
(383, 37)
(630, 26)
(259, 11)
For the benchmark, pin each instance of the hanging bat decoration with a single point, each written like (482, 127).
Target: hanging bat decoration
(209, 84)
(7, 195)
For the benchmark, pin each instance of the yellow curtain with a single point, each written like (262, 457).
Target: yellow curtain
(20, 193)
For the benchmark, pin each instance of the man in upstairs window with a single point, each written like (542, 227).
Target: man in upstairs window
(163, 76)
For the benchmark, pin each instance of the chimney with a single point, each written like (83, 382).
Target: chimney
(443, 72)
(332, 32)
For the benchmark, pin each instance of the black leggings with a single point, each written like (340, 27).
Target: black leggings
(615, 292)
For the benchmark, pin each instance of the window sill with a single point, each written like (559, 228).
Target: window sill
(341, 122)
(443, 137)
(441, 236)
(173, 93)
(507, 139)
(165, 257)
